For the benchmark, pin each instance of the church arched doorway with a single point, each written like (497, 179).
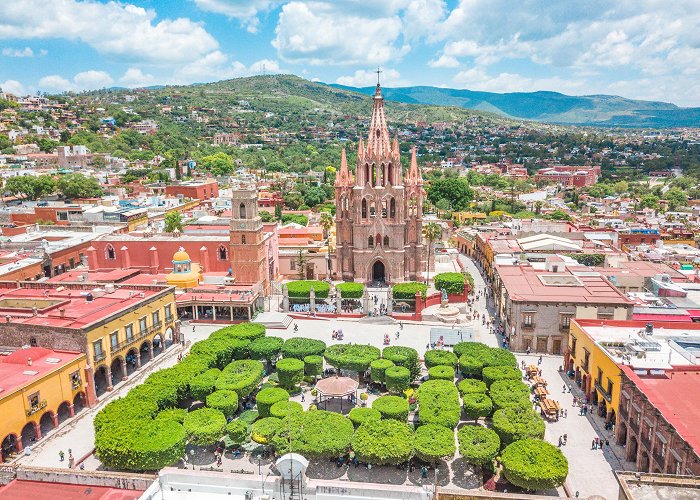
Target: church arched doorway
(378, 272)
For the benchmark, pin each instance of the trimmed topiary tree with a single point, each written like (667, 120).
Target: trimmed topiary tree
(300, 347)
(290, 372)
(224, 401)
(237, 431)
(267, 397)
(408, 290)
(264, 430)
(492, 373)
(452, 283)
(378, 368)
(471, 386)
(359, 416)
(242, 376)
(441, 372)
(434, 442)
(282, 409)
(404, 356)
(246, 331)
(266, 348)
(350, 290)
(478, 445)
(438, 403)
(477, 405)
(534, 465)
(383, 442)
(471, 366)
(302, 289)
(313, 365)
(203, 384)
(397, 379)
(438, 357)
(497, 356)
(514, 424)
(205, 426)
(394, 407)
(315, 434)
(510, 394)
(174, 414)
(476, 349)
(351, 357)
(222, 349)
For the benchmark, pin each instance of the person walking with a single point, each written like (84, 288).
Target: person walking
(61, 455)
(71, 460)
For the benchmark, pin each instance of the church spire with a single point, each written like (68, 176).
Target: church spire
(414, 174)
(343, 177)
(378, 142)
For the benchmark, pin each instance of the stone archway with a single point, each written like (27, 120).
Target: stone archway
(78, 402)
(64, 412)
(643, 465)
(378, 272)
(622, 433)
(9, 447)
(631, 453)
(29, 434)
(47, 423)
(101, 382)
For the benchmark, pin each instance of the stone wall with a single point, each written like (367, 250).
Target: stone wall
(125, 481)
(16, 335)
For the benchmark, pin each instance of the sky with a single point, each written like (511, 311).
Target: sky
(641, 49)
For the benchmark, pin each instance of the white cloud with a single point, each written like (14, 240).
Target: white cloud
(217, 66)
(134, 77)
(121, 30)
(55, 83)
(85, 80)
(363, 78)
(13, 87)
(477, 79)
(25, 52)
(244, 10)
(444, 61)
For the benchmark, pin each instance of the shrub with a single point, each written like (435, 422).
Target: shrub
(359, 416)
(393, 407)
(442, 372)
(302, 288)
(397, 379)
(453, 283)
(513, 424)
(434, 442)
(404, 356)
(290, 372)
(222, 349)
(282, 409)
(510, 394)
(378, 368)
(313, 365)
(351, 357)
(478, 445)
(471, 366)
(534, 465)
(267, 397)
(203, 384)
(264, 430)
(165, 396)
(300, 347)
(205, 426)
(237, 431)
(245, 331)
(242, 376)
(408, 290)
(497, 356)
(438, 403)
(439, 357)
(267, 348)
(475, 349)
(175, 414)
(471, 386)
(477, 405)
(125, 410)
(223, 400)
(350, 290)
(492, 373)
(315, 434)
(248, 416)
(383, 442)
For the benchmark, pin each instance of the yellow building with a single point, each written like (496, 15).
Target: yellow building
(185, 274)
(39, 388)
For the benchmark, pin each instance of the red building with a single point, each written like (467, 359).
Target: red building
(575, 176)
(196, 190)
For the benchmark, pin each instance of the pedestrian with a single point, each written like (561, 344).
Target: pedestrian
(302, 397)
(82, 466)
(61, 455)
(193, 327)
(527, 351)
(563, 389)
(593, 445)
(539, 360)
(424, 472)
(71, 460)
(560, 441)
(566, 413)
(607, 443)
(566, 438)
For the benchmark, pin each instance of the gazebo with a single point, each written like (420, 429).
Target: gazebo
(336, 388)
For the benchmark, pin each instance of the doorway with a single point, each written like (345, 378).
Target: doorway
(378, 271)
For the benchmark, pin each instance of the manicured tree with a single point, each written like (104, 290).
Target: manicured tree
(359, 416)
(266, 348)
(242, 376)
(378, 368)
(205, 426)
(475, 349)
(237, 431)
(302, 288)
(203, 384)
(397, 379)
(264, 430)
(175, 414)
(514, 424)
(477, 405)
(471, 366)
(534, 465)
(223, 348)
(478, 445)
(382, 442)
(225, 401)
(471, 386)
(351, 357)
(394, 407)
(314, 434)
(441, 372)
(282, 409)
(510, 394)
(290, 372)
(492, 373)
(267, 397)
(434, 442)
(453, 283)
(313, 365)
(350, 290)
(438, 357)
(300, 347)
(497, 356)
(404, 356)
(246, 331)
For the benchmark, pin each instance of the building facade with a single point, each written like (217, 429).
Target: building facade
(249, 261)
(379, 212)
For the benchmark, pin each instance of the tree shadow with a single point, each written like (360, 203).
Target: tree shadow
(465, 475)
(325, 469)
(201, 456)
(442, 479)
(382, 474)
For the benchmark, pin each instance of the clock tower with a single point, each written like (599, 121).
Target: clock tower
(248, 262)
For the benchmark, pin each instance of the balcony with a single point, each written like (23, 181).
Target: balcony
(38, 407)
(644, 439)
(130, 341)
(76, 383)
(527, 326)
(634, 425)
(622, 411)
(99, 356)
(659, 459)
(564, 328)
(604, 392)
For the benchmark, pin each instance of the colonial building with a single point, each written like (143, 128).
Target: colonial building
(379, 217)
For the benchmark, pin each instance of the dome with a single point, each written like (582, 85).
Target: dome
(181, 256)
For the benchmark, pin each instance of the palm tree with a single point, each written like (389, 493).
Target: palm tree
(326, 222)
(431, 232)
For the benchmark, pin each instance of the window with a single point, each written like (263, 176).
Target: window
(292, 264)
(242, 210)
(610, 387)
(156, 317)
(573, 347)
(566, 320)
(392, 208)
(75, 380)
(97, 349)
(110, 253)
(33, 400)
(528, 319)
(678, 468)
(168, 313)
(370, 241)
(243, 239)
(142, 324)
(599, 379)
(32, 341)
(62, 215)
(386, 241)
(364, 209)
(129, 330)
(586, 358)
(223, 254)
(604, 315)
(114, 340)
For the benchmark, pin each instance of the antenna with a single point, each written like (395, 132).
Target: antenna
(378, 71)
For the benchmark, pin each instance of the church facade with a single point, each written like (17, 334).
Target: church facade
(379, 219)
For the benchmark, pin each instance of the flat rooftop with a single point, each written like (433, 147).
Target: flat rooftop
(37, 490)
(15, 372)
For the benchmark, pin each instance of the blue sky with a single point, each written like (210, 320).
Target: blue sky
(645, 49)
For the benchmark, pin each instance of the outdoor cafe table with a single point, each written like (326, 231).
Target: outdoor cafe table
(539, 381)
(540, 392)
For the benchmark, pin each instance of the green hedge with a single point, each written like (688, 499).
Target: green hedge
(534, 465)
(282, 409)
(497, 356)
(471, 366)
(175, 414)
(359, 416)
(242, 376)
(438, 357)
(302, 288)
(453, 283)
(510, 394)
(515, 424)
(237, 431)
(393, 407)
(225, 401)
(314, 434)
(203, 384)
(313, 365)
(471, 386)
(300, 347)
(290, 372)
(222, 349)
(476, 349)
(349, 290)
(245, 331)
(438, 403)
(267, 348)
(478, 445)
(205, 426)
(477, 405)
(404, 356)
(351, 357)
(434, 442)
(397, 379)
(490, 374)
(382, 442)
(267, 397)
(441, 372)
(408, 290)
(378, 368)
(264, 430)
